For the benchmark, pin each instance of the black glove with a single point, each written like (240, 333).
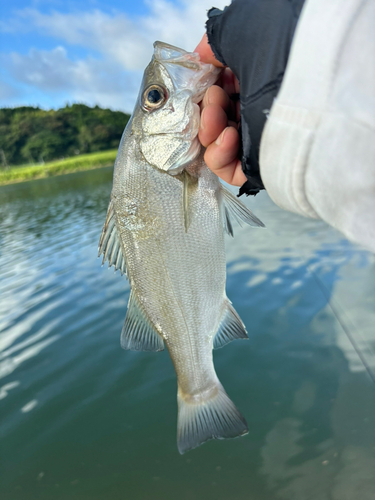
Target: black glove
(253, 38)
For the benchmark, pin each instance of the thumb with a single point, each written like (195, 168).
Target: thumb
(206, 54)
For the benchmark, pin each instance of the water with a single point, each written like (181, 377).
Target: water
(82, 419)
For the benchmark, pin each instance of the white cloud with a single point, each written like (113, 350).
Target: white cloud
(122, 39)
(92, 81)
(122, 47)
(116, 37)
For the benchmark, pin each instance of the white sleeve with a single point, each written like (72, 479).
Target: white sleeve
(317, 155)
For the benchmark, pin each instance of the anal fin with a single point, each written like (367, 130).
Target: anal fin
(138, 333)
(230, 328)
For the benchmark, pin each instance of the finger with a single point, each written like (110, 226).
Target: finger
(238, 111)
(227, 81)
(216, 95)
(236, 85)
(205, 53)
(231, 87)
(221, 157)
(213, 122)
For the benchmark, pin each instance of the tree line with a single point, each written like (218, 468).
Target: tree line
(33, 135)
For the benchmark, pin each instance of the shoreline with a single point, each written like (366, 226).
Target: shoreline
(79, 163)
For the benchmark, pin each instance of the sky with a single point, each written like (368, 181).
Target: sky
(58, 52)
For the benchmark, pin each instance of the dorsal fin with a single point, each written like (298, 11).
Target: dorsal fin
(110, 243)
(235, 208)
(230, 328)
(138, 333)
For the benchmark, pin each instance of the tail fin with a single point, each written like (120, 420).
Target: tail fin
(213, 417)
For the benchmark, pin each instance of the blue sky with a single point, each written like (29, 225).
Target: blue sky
(57, 52)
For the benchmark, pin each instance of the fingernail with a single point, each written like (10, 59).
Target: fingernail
(207, 96)
(202, 120)
(219, 140)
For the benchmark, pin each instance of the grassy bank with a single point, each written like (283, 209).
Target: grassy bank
(74, 164)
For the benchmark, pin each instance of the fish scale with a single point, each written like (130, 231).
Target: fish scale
(167, 216)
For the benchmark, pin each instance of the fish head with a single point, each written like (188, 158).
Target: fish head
(167, 115)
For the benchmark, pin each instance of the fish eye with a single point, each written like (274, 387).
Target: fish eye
(153, 97)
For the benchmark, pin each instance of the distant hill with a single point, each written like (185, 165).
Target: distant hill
(33, 135)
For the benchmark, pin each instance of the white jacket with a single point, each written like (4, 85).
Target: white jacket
(317, 155)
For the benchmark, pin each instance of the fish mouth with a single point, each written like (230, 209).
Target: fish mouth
(189, 75)
(186, 70)
(166, 53)
(188, 135)
(177, 123)
(191, 130)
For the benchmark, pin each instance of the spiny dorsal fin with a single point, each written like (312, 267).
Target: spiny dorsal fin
(110, 244)
(230, 328)
(235, 208)
(138, 333)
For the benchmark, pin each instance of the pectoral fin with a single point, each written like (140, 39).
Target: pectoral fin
(189, 184)
(227, 222)
(230, 328)
(138, 333)
(110, 244)
(234, 208)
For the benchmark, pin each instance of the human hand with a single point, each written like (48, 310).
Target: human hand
(220, 117)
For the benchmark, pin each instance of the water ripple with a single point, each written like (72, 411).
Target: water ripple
(80, 413)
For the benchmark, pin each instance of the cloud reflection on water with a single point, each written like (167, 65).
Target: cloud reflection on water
(308, 400)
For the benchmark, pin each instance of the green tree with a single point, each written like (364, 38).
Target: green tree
(33, 135)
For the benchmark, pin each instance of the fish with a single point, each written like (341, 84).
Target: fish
(164, 230)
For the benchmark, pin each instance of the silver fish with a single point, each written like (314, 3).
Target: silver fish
(165, 230)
